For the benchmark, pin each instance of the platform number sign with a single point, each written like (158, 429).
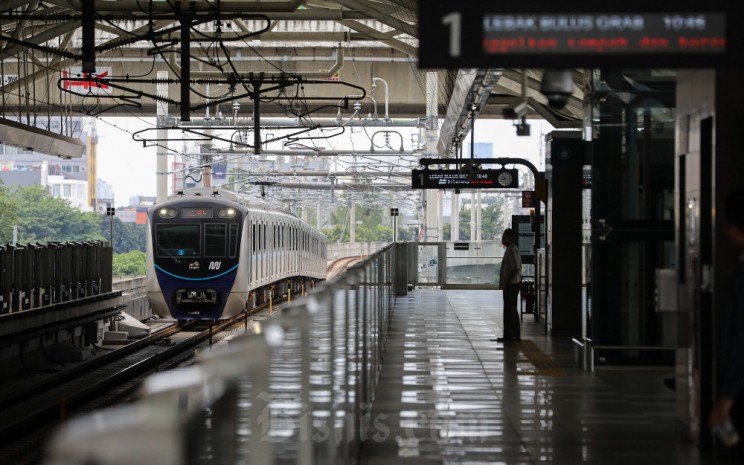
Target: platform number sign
(577, 33)
(454, 21)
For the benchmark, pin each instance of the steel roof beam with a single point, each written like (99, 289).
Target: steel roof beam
(380, 16)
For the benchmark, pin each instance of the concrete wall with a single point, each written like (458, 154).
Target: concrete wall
(355, 249)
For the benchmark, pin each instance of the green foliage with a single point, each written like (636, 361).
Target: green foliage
(129, 264)
(8, 214)
(491, 227)
(127, 236)
(43, 218)
(373, 227)
(465, 223)
(405, 233)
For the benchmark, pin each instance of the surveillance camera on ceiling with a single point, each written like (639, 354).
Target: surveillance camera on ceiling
(517, 111)
(523, 129)
(557, 86)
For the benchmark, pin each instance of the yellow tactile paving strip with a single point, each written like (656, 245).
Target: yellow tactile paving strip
(543, 365)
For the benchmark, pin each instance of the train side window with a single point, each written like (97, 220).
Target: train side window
(253, 237)
(233, 240)
(215, 240)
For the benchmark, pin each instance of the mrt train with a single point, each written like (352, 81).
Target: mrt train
(212, 254)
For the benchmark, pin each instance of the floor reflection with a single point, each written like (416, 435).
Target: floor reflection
(449, 394)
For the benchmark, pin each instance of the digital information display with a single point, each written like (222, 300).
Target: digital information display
(572, 33)
(196, 213)
(604, 33)
(455, 179)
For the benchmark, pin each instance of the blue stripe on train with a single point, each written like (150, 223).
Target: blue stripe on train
(170, 283)
(184, 278)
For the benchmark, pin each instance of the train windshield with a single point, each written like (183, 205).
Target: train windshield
(178, 240)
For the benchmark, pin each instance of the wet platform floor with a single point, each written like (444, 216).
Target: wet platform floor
(449, 394)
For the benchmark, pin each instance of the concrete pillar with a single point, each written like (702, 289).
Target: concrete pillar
(479, 215)
(455, 215)
(352, 222)
(161, 154)
(473, 217)
(433, 206)
(400, 268)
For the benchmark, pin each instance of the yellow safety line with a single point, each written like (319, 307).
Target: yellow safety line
(544, 365)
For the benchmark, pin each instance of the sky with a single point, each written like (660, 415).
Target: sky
(130, 168)
(122, 162)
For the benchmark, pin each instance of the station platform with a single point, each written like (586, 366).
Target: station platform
(357, 375)
(449, 394)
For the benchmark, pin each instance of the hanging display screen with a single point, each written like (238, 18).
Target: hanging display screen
(573, 33)
(626, 33)
(456, 179)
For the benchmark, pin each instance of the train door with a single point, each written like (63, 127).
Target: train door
(259, 250)
(264, 255)
(295, 250)
(271, 244)
(254, 251)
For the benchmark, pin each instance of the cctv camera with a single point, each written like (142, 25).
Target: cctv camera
(523, 129)
(517, 111)
(557, 86)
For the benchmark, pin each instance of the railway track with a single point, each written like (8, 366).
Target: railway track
(340, 265)
(31, 411)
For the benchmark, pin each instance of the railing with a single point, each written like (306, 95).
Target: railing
(41, 275)
(353, 249)
(297, 389)
(583, 351)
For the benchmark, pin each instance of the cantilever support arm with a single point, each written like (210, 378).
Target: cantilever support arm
(539, 177)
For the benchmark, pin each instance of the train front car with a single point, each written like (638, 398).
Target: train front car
(193, 258)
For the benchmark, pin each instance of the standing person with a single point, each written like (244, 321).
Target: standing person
(509, 281)
(730, 401)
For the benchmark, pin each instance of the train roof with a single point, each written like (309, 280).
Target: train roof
(216, 192)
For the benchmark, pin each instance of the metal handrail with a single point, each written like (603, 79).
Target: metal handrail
(338, 332)
(584, 351)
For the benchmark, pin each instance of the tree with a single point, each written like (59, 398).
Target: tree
(465, 223)
(127, 236)
(129, 264)
(43, 218)
(492, 226)
(8, 214)
(371, 229)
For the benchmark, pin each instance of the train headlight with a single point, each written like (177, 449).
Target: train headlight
(167, 212)
(227, 213)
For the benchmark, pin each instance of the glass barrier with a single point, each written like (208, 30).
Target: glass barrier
(480, 263)
(297, 389)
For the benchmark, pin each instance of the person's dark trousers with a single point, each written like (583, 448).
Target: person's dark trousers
(512, 328)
